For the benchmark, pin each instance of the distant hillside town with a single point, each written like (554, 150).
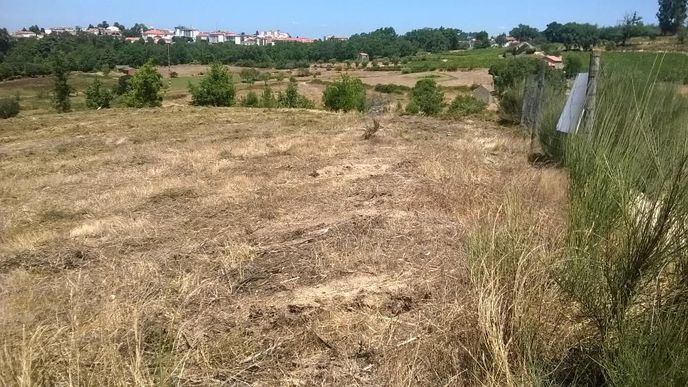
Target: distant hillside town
(156, 35)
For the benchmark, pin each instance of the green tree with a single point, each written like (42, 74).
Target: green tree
(35, 29)
(482, 40)
(61, 88)
(501, 40)
(292, 99)
(216, 88)
(145, 88)
(632, 26)
(345, 94)
(428, 97)
(672, 15)
(267, 99)
(525, 33)
(98, 96)
(573, 65)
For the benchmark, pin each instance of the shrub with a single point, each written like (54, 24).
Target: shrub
(145, 88)
(216, 88)
(249, 75)
(250, 100)
(9, 107)
(98, 96)
(174, 74)
(511, 104)
(412, 108)
(291, 98)
(573, 65)
(508, 73)
(392, 89)
(345, 94)
(267, 99)
(122, 85)
(428, 97)
(466, 105)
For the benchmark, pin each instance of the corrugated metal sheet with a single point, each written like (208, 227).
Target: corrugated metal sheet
(573, 111)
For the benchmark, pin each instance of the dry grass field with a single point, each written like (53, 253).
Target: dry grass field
(233, 246)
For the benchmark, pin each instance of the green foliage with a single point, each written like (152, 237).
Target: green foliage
(345, 94)
(291, 98)
(250, 100)
(508, 73)
(123, 84)
(216, 88)
(511, 103)
(482, 40)
(428, 97)
(412, 108)
(145, 88)
(61, 88)
(267, 99)
(392, 89)
(465, 105)
(9, 107)
(249, 75)
(525, 33)
(627, 246)
(573, 66)
(98, 96)
(672, 15)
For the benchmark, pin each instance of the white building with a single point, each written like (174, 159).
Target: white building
(24, 34)
(186, 32)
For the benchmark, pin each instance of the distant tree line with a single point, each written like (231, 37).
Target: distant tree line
(88, 52)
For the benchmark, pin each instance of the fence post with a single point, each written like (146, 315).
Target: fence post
(591, 94)
(532, 110)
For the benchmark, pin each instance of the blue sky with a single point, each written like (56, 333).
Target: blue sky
(315, 18)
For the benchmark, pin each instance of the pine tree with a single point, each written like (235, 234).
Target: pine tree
(61, 89)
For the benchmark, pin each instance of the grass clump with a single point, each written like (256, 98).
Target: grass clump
(465, 105)
(9, 107)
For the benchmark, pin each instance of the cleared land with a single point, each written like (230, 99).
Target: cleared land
(231, 246)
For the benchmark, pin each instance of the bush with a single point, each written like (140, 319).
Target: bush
(9, 107)
(412, 108)
(145, 88)
(267, 99)
(249, 75)
(123, 85)
(573, 65)
(511, 104)
(174, 74)
(466, 105)
(428, 97)
(98, 96)
(508, 73)
(392, 89)
(291, 98)
(216, 88)
(250, 100)
(345, 94)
